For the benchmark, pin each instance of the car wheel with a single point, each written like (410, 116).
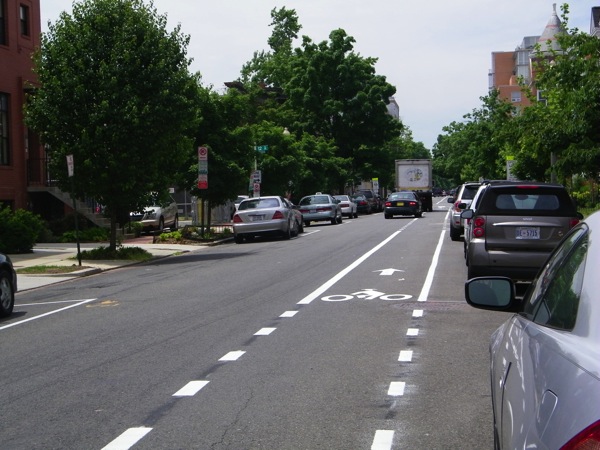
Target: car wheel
(295, 229)
(307, 223)
(334, 221)
(7, 294)
(356, 214)
(161, 225)
(238, 238)
(387, 216)
(454, 234)
(340, 219)
(175, 225)
(419, 214)
(300, 227)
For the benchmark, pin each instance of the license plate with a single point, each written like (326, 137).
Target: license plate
(257, 218)
(528, 233)
(399, 203)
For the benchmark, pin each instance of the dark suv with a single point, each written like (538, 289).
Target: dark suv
(515, 226)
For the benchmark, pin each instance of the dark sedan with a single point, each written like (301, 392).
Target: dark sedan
(362, 204)
(8, 285)
(405, 203)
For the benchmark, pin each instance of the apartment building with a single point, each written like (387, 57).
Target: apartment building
(19, 36)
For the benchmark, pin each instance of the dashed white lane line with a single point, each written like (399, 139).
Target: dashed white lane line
(405, 356)
(21, 322)
(383, 440)
(128, 439)
(396, 388)
(233, 356)
(289, 314)
(191, 389)
(264, 331)
(412, 332)
(321, 289)
(417, 313)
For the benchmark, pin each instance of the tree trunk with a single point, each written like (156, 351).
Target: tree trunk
(113, 230)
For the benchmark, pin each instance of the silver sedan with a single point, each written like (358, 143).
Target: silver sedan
(260, 216)
(349, 207)
(545, 360)
(320, 207)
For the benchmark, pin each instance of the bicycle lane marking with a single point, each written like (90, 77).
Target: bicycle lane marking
(321, 289)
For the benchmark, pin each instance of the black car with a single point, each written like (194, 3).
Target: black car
(8, 285)
(362, 204)
(404, 203)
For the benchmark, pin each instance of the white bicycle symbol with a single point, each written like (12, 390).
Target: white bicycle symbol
(367, 294)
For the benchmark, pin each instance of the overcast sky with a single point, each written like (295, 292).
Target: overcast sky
(437, 53)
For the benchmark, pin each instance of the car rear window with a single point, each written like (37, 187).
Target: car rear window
(469, 192)
(259, 203)
(534, 201)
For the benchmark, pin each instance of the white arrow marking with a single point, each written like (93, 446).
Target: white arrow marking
(388, 271)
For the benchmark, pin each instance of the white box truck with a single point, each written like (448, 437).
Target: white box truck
(415, 175)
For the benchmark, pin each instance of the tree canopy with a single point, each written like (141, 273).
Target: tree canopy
(116, 93)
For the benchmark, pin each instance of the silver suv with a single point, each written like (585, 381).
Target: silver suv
(462, 200)
(158, 216)
(515, 226)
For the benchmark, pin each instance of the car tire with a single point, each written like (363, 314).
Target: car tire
(175, 225)
(307, 223)
(387, 216)
(334, 221)
(7, 294)
(356, 214)
(161, 225)
(300, 227)
(238, 238)
(419, 214)
(340, 219)
(454, 234)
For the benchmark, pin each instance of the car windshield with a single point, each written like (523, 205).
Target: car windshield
(259, 203)
(314, 200)
(342, 197)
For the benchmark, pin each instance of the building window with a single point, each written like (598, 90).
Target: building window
(4, 150)
(515, 96)
(3, 22)
(24, 19)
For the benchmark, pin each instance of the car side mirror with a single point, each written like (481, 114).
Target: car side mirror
(450, 200)
(467, 214)
(493, 293)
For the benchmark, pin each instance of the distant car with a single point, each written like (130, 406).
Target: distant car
(362, 204)
(349, 207)
(460, 202)
(545, 360)
(320, 207)
(161, 215)
(264, 216)
(8, 285)
(403, 203)
(373, 199)
(515, 226)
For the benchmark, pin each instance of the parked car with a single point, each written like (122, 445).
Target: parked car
(161, 215)
(515, 226)
(349, 207)
(545, 360)
(373, 199)
(404, 203)
(460, 202)
(362, 204)
(8, 285)
(320, 207)
(263, 216)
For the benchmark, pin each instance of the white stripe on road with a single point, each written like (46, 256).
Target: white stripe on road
(289, 314)
(436, 256)
(405, 356)
(232, 356)
(21, 322)
(321, 289)
(190, 389)
(264, 331)
(412, 332)
(383, 440)
(417, 313)
(128, 439)
(396, 388)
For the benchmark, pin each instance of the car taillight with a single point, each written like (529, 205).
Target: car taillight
(278, 215)
(456, 208)
(344, 205)
(574, 221)
(588, 439)
(388, 204)
(412, 203)
(237, 219)
(478, 227)
(325, 208)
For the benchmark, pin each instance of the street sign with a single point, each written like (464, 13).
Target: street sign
(202, 153)
(256, 190)
(256, 176)
(262, 148)
(70, 165)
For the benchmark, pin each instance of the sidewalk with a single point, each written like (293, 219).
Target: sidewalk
(66, 255)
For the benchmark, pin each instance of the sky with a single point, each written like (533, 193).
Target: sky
(436, 53)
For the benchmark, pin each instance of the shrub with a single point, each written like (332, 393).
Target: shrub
(19, 231)
(127, 253)
(96, 234)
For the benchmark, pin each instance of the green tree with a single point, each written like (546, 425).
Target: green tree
(116, 93)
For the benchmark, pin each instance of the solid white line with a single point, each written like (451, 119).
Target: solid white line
(383, 440)
(396, 388)
(289, 314)
(405, 356)
(321, 289)
(190, 389)
(412, 332)
(128, 439)
(21, 322)
(232, 356)
(417, 313)
(58, 302)
(264, 331)
(436, 256)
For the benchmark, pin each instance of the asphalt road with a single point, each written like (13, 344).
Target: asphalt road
(351, 336)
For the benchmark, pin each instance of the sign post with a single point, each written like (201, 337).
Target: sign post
(202, 168)
(71, 172)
